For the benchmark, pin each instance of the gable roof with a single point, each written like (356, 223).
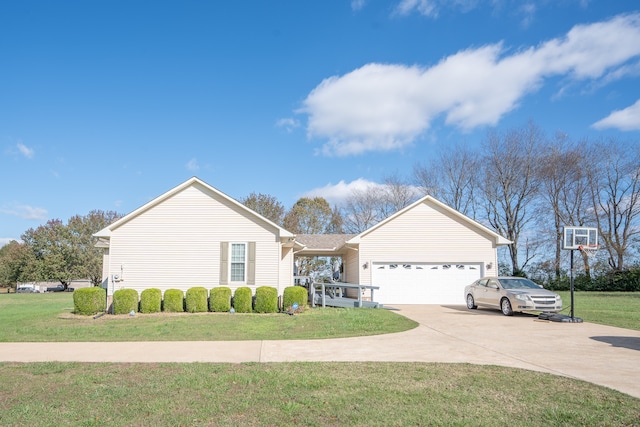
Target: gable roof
(106, 232)
(499, 240)
(323, 242)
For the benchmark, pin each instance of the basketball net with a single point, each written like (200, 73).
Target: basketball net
(589, 250)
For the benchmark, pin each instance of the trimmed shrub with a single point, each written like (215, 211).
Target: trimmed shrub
(242, 300)
(124, 301)
(266, 300)
(173, 301)
(196, 300)
(220, 299)
(89, 301)
(151, 301)
(294, 294)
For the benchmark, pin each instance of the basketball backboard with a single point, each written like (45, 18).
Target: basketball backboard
(577, 237)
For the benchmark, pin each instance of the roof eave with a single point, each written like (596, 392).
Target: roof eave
(104, 233)
(501, 241)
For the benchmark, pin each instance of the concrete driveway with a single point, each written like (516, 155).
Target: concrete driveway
(450, 334)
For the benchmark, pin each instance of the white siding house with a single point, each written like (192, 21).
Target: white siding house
(194, 235)
(424, 254)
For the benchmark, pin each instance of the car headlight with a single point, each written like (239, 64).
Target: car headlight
(521, 297)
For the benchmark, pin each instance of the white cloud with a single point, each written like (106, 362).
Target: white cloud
(528, 10)
(25, 151)
(192, 165)
(24, 211)
(335, 194)
(628, 70)
(432, 8)
(382, 107)
(289, 124)
(626, 119)
(357, 4)
(423, 7)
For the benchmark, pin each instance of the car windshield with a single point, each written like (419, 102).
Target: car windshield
(518, 283)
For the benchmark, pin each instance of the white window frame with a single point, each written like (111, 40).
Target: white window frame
(245, 262)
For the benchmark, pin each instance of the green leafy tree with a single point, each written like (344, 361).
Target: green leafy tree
(81, 230)
(312, 216)
(55, 251)
(336, 225)
(50, 255)
(12, 259)
(266, 205)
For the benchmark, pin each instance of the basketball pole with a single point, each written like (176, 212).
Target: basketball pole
(571, 282)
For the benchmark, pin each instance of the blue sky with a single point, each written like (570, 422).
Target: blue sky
(108, 104)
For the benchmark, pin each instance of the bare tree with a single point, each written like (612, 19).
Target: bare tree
(366, 207)
(564, 192)
(614, 180)
(510, 184)
(428, 178)
(398, 194)
(360, 211)
(451, 178)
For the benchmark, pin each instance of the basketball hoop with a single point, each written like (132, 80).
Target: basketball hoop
(589, 250)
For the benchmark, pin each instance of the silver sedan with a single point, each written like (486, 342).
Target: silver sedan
(509, 294)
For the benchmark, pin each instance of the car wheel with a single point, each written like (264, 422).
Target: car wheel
(505, 306)
(471, 304)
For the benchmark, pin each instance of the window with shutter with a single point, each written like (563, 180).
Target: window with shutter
(238, 262)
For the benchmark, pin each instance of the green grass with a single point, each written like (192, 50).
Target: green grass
(48, 317)
(313, 394)
(621, 309)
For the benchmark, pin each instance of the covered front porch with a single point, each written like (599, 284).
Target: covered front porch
(327, 265)
(336, 295)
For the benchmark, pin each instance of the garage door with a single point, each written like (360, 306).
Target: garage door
(423, 283)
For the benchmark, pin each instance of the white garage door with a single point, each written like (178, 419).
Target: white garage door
(422, 283)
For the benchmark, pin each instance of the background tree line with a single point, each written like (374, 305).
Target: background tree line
(528, 186)
(57, 251)
(519, 182)
(524, 185)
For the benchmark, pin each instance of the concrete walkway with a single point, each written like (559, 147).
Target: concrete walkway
(451, 334)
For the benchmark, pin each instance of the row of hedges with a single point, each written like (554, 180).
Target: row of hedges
(617, 281)
(90, 301)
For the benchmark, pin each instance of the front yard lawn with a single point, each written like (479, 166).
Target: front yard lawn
(310, 394)
(48, 317)
(621, 309)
